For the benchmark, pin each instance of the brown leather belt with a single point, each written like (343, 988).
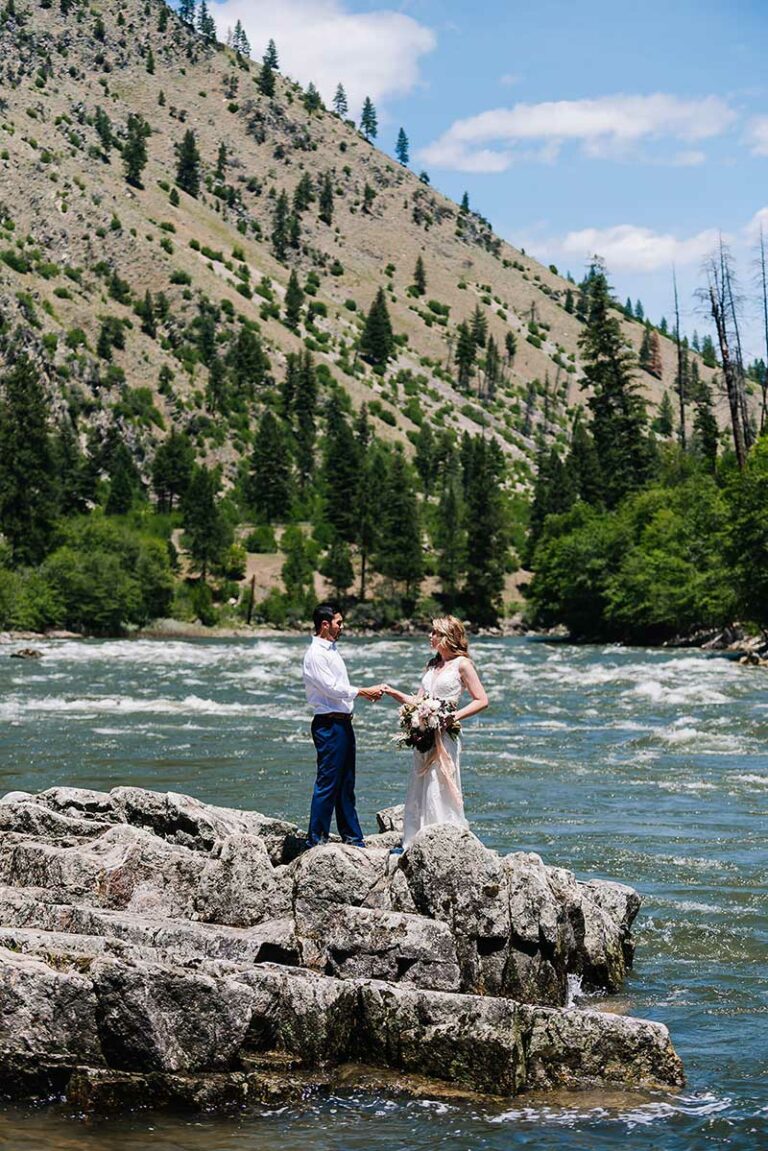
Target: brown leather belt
(344, 715)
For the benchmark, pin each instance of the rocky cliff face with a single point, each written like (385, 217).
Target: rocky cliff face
(155, 949)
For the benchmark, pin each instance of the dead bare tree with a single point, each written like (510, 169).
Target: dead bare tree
(722, 300)
(680, 371)
(763, 274)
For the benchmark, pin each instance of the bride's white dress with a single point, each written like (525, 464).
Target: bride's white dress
(434, 790)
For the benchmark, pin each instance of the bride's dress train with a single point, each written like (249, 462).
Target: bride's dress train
(434, 789)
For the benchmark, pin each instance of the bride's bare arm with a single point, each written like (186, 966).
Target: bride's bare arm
(400, 696)
(471, 681)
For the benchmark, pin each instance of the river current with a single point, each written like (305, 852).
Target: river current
(650, 767)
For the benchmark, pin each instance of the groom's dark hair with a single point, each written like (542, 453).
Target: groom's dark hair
(323, 611)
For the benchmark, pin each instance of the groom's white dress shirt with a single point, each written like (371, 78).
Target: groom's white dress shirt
(326, 679)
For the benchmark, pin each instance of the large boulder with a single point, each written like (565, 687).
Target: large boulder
(47, 1017)
(451, 877)
(155, 1018)
(367, 943)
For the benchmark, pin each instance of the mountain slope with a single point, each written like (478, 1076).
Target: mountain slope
(73, 229)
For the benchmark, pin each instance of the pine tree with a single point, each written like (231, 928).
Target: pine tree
(492, 369)
(240, 41)
(583, 465)
(369, 195)
(312, 100)
(369, 124)
(553, 493)
(464, 205)
(270, 56)
(664, 424)
(103, 126)
(705, 429)
(400, 556)
(340, 105)
(337, 568)
(207, 531)
(172, 470)
(146, 310)
(425, 459)
(487, 535)
(451, 535)
(188, 165)
(326, 199)
(298, 570)
(267, 80)
(629, 312)
(420, 277)
(377, 341)
(162, 18)
(187, 11)
(370, 495)
(479, 327)
(708, 355)
(206, 25)
(135, 149)
(644, 358)
(305, 408)
(303, 194)
(150, 62)
(221, 162)
(125, 485)
(294, 301)
(402, 148)
(569, 305)
(618, 411)
(270, 487)
(655, 365)
(280, 221)
(27, 492)
(466, 350)
(340, 474)
(639, 311)
(247, 362)
(510, 347)
(663, 326)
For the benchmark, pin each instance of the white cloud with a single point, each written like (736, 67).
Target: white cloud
(628, 248)
(759, 221)
(509, 79)
(374, 54)
(607, 126)
(757, 136)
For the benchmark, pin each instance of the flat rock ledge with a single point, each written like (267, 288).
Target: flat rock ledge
(156, 950)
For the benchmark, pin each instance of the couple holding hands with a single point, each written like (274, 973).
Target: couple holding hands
(426, 718)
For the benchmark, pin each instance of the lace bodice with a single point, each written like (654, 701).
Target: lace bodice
(443, 682)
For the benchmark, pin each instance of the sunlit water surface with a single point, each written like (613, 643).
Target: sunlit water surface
(645, 766)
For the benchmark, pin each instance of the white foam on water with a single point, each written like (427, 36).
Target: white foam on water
(695, 693)
(750, 777)
(130, 705)
(685, 785)
(170, 653)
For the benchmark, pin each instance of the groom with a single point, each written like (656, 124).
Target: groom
(331, 697)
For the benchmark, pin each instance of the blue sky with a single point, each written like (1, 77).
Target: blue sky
(637, 131)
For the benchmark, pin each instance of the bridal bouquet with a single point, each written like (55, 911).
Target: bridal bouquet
(421, 720)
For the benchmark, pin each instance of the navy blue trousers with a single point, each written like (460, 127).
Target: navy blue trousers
(334, 791)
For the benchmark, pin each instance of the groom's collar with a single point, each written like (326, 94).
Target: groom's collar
(328, 644)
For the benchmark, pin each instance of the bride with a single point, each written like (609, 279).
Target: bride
(434, 790)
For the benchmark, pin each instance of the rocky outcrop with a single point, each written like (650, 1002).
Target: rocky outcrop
(156, 949)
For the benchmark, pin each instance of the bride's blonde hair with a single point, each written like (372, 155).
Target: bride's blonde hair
(452, 633)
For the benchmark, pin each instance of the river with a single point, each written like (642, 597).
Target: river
(645, 766)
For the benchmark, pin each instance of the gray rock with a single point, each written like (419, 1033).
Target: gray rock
(452, 877)
(47, 1016)
(334, 874)
(391, 818)
(571, 1048)
(182, 944)
(367, 943)
(155, 1018)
